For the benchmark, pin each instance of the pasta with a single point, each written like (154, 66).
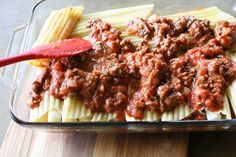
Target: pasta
(117, 18)
(58, 26)
(136, 40)
(231, 90)
(180, 112)
(54, 116)
(64, 23)
(104, 117)
(49, 106)
(148, 116)
(223, 114)
(213, 14)
(73, 111)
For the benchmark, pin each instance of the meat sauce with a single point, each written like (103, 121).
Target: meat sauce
(188, 66)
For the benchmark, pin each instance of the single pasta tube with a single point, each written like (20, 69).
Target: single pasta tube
(73, 110)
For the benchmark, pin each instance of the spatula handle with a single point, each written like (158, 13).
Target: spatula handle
(15, 59)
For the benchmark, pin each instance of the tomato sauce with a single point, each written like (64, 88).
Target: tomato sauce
(188, 66)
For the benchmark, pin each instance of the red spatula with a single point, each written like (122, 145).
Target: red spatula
(62, 48)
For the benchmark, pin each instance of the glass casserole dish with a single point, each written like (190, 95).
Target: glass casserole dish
(23, 73)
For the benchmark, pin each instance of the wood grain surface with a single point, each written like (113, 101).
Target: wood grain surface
(24, 142)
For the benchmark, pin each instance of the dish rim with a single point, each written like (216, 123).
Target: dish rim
(225, 124)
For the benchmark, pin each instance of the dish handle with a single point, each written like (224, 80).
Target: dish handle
(9, 74)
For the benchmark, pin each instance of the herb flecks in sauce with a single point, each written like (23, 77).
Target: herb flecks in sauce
(188, 66)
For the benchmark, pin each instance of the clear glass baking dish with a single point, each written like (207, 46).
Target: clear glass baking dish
(17, 79)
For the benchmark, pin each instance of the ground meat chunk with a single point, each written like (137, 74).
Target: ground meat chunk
(111, 66)
(191, 32)
(166, 46)
(209, 50)
(38, 86)
(211, 80)
(180, 26)
(225, 33)
(170, 37)
(169, 95)
(65, 81)
(113, 101)
(108, 74)
(151, 69)
(127, 46)
(199, 77)
(77, 81)
(139, 27)
(194, 27)
(161, 26)
(178, 89)
(104, 38)
(163, 33)
(198, 28)
(153, 26)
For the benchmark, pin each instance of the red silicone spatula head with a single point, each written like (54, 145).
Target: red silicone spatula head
(62, 48)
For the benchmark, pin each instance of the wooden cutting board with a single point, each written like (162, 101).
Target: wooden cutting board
(22, 142)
